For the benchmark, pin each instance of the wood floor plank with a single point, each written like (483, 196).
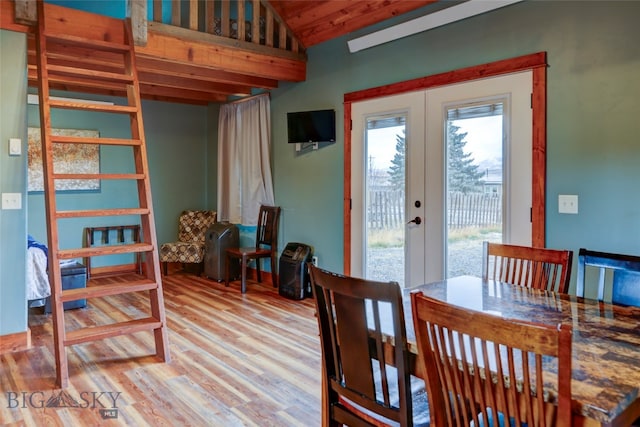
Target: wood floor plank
(237, 360)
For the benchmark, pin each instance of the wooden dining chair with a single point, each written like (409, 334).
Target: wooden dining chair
(266, 247)
(539, 268)
(619, 271)
(457, 345)
(366, 380)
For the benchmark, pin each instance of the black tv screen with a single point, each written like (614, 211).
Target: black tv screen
(311, 126)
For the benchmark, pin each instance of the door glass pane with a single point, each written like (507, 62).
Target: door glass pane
(384, 200)
(474, 141)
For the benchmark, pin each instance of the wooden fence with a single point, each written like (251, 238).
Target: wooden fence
(474, 210)
(386, 210)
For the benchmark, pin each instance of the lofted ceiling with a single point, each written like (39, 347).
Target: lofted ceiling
(315, 22)
(181, 65)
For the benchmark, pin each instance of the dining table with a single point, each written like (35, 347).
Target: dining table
(605, 371)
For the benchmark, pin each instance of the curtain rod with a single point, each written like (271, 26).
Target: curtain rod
(248, 98)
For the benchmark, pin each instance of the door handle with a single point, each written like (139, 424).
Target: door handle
(417, 221)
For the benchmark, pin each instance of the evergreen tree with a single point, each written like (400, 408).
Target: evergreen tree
(463, 174)
(397, 168)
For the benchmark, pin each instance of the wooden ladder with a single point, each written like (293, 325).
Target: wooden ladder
(108, 62)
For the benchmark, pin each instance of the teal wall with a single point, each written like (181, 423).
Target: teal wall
(182, 171)
(13, 178)
(593, 128)
(177, 138)
(593, 132)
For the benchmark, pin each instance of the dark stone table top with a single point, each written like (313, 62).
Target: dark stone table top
(606, 339)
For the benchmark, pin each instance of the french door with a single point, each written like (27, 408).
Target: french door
(436, 172)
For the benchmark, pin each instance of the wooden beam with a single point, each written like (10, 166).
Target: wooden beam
(173, 81)
(205, 53)
(73, 22)
(202, 73)
(26, 12)
(180, 95)
(137, 12)
(8, 18)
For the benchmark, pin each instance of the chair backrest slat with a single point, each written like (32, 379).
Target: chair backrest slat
(483, 371)
(267, 227)
(539, 268)
(624, 272)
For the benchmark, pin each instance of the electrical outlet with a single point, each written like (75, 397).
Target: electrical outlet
(314, 260)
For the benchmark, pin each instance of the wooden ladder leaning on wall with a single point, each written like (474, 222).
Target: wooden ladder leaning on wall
(108, 62)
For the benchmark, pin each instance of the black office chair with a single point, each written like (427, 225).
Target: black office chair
(621, 271)
(362, 384)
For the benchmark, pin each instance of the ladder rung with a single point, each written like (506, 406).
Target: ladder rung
(103, 212)
(74, 58)
(99, 176)
(111, 330)
(106, 290)
(102, 76)
(107, 108)
(104, 250)
(65, 139)
(89, 43)
(88, 85)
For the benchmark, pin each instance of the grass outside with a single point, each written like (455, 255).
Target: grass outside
(385, 253)
(394, 238)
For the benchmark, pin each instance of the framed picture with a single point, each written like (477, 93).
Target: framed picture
(67, 158)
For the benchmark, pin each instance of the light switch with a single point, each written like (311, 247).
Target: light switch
(11, 201)
(568, 203)
(15, 146)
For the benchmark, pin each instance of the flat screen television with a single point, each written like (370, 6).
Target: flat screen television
(311, 126)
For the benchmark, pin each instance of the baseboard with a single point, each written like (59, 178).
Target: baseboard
(15, 342)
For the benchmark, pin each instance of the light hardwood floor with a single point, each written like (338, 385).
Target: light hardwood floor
(237, 360)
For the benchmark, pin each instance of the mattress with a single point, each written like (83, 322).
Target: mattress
(38, 287)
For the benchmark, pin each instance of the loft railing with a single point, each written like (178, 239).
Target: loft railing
(251, 21)
(247, 21)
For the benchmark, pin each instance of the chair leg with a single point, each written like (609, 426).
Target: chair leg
(164, 268)
(274, 278)
(258, 270)
(244, 275)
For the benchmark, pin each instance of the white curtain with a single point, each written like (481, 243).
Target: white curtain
(244, 165)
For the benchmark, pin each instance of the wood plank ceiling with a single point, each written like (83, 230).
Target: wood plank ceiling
(315, 22)
(180, 65)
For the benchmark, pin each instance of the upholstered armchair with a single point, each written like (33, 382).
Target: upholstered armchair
(192, 227)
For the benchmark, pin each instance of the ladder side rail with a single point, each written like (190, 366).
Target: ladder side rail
(55, 275)
(151, 259)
